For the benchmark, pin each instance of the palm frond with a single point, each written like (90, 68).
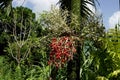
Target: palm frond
(5, 3)
(65, 4)
(84, 9)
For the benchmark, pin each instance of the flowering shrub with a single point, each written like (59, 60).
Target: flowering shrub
(62, 50)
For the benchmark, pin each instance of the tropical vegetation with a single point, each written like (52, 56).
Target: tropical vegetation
(69, 43)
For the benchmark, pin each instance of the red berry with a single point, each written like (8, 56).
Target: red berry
(62, 50)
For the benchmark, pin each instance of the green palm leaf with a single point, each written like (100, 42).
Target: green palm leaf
(84, 9)
(5, 3)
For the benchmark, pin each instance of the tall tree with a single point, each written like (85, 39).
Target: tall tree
(82, 10)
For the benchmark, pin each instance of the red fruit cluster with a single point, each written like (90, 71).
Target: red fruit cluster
(62, 50)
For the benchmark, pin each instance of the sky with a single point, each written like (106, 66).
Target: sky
(110, 11)
(108, 8)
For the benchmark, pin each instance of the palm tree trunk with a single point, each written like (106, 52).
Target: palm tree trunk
(75, 7)
(73, 68)
(78, 8)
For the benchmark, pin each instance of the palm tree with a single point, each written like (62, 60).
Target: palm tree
(81, 9)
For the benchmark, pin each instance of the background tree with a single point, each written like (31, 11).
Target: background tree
(5, 3)
(6, 6)
(5, 10)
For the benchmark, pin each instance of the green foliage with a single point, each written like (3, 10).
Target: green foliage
(62, 75)
(18, 74)
(19, 30)
(113, 44)
(57, 24)
(101, 78)
(113, 39)
(38, 73)
(5, 70)
(23, 16)
(114, 75)
(6, 6)
(27, 46)
(9, 72)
